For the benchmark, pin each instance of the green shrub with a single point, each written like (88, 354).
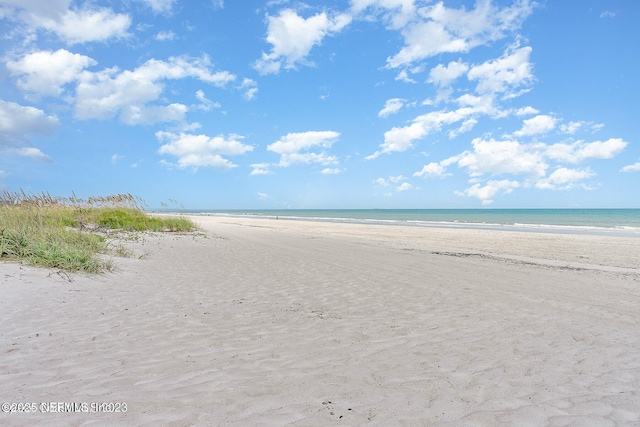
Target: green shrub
(48, 232)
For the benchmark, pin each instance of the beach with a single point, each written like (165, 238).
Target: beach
(254, 321)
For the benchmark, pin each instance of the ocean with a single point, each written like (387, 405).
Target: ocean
(599, 221)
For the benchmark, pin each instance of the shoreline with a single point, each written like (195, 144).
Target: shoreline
(608, 230)
(303, 323)
(579, 250)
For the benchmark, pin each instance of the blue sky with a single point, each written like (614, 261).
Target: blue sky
(224, 104)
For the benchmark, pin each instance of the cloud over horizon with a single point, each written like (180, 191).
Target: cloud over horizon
(455, 97)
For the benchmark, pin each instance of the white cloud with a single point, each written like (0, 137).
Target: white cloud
(444, 75)
(28, 10)
(404, 77)
(404, 187)
(563, 178)
(263, 196)
(398, 179)
(292, 37)
(160, 6)
(111, 92)
(580, 150)
(260, 169)
(331, 171)
(206, 104)
(72, 25)
(397, 12)
(537, 125)
(86, 25)
(217, 4)
(432, 170)
(504, 74)
(291, 147)
(17, 122)
(165, 36)
(46, 72)
(487, 192)
(510, 157)
(571, 127)
(526, 111)
(465, 127)
(201, 150)
(399, 139)
(250, 87)
(502, 157)
(392, 106)
(631, 168)
(30, 152)
(381, 182)
(148, 115)
(437, 29)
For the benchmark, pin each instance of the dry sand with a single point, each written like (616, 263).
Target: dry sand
(265, 322)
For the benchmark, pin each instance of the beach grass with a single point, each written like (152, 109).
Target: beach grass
(70, 233)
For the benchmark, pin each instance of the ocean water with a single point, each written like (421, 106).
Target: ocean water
(608, 221)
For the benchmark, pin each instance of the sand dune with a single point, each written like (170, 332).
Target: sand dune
(264, 322)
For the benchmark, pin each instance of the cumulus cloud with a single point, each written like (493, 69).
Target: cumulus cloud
(381, 182)
(29, 152)
(537, 125)
(526, 111)
(399, 139)
(82, 26)
(111, 92)
(331, 171)
(579, 151)
(71, 25)
(18, 122)
(160, 6)
(486, 192)
(261, 169)
(292, 37)
(197, 151)
(532, 161)
(435, 29)
(432, 170)
(205, 103)
(296, 148)
(404, 187)
(571, 127)
(563, 178)
(505, 74)
(250, 88)
(465, 127)
(444, 75)
(46, 72)
(163, 36)
(397, 12)
(502, 157)
(631, 168)
(392, 106)
(399, 180)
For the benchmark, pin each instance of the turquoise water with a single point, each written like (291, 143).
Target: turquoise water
(625, 221)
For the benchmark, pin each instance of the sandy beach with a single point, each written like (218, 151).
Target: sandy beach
(273, 322)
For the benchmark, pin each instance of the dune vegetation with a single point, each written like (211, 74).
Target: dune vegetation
(71, 233)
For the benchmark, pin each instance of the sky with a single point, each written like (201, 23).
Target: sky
(337, 104)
